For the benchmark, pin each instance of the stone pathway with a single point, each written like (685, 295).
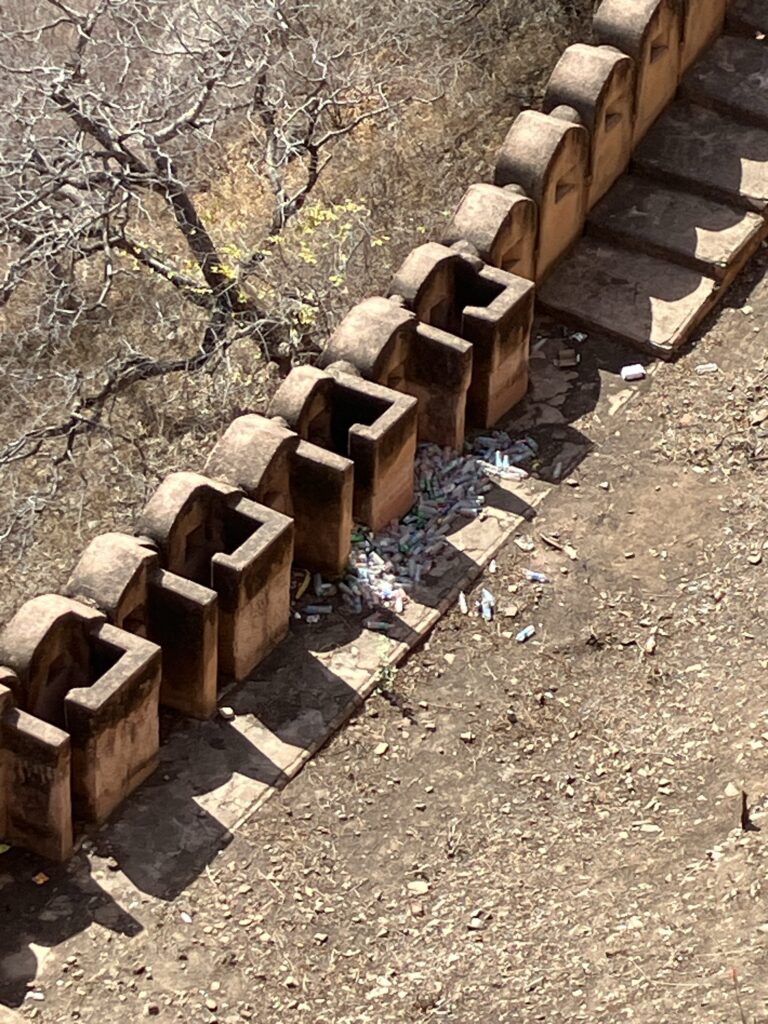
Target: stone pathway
(672, 235)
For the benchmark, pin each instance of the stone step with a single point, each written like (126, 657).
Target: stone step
(703, 150)
(732, 77)
(650, 303)
(749, 17)
(712, 238)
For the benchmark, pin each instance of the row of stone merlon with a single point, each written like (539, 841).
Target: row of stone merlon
(202, 590)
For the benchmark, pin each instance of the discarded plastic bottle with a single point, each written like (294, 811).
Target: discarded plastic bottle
(487, 605)
(525, 634)
(535, 577)
(463, 606)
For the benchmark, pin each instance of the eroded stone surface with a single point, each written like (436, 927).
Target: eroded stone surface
(732, 77)
(714, 238)
(653, 304)
(650, 32)
(748, 17)
(708, 152)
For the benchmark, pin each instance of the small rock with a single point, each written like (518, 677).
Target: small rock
(604, 485)
(226, 713)
(320, 938)
(419, 887)
(380, 749)
(468, 737)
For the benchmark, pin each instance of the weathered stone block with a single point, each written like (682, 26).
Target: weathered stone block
(703, 23)
(649, 31)
(653, 304)
(372, 425)
(389, 346)
(97, 683)
(272, 465)
(35, 781)
(121, 575)
(501, 224)
(209, 533)
(598, 82)
(706, 152)
(487, 307)
(549, 158)
(732, 77)
(113, 722)
(713, 238)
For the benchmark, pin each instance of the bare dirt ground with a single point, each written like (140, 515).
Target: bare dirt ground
(551, 831)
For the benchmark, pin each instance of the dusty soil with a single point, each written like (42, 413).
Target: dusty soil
(546, 831)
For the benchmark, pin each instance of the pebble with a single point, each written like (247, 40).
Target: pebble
(380, 749)
(418, 887)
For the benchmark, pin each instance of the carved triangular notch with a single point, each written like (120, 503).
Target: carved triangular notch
(611, 121)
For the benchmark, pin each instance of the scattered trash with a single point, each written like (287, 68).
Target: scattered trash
(303, 585)
(463, 606)
(467, 737)
(37, 996)
(525, 543)
(525, 634)
(4, 847)
(487, 605)
(579, 337)
(312, 620)
(633, 372)
(567, 549)
(703, 368)
(185, 917)
(567, 358)
(227, 714)
(317, 609)
(535, 577)
(40, 878)
(378, 625)
(493, 566)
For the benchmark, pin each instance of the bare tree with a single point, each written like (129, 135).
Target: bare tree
(206, 185)
(116, 112)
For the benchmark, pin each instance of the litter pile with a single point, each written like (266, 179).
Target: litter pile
(384, 568)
